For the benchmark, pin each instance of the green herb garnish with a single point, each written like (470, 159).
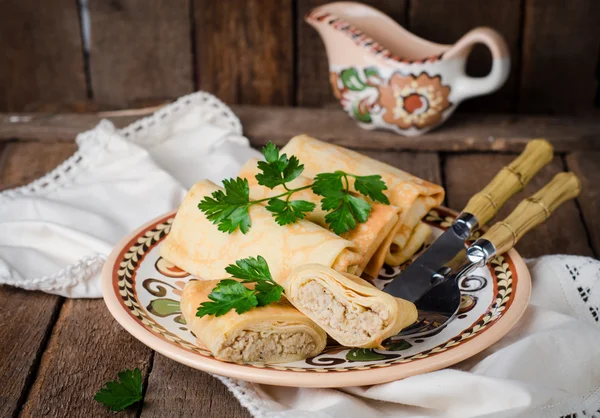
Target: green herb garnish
(231, 294)
(119, 394)
(229, 208)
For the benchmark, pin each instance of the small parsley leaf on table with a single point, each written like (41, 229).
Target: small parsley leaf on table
(119, 394)
(231, 294)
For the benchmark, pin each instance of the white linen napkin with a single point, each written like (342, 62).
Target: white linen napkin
(56, 232)
(547, 366)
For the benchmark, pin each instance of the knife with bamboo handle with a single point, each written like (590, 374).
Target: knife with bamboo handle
(420, 276)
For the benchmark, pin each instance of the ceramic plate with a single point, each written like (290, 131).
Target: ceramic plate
(142, 291)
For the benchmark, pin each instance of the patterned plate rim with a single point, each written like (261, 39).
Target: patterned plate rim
(301, 377)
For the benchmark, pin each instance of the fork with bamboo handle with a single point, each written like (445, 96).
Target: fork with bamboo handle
(531, 212)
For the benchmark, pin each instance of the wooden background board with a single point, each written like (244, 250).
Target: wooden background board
(42, 53)
(244, 50)
(263, 53)
(560, 65)
(154, 32)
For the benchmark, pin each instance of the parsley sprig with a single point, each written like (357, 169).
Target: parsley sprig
(228, 209)
(232, 294)
(119, 394)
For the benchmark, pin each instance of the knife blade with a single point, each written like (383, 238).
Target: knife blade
(425, 271)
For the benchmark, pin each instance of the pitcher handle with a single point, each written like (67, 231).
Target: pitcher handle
(465, 86)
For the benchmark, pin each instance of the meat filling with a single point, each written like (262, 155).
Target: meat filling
(257, 346)
(355, 323)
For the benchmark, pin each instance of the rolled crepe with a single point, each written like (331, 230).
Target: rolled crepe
(275, 333)
(351, 310)
(400, 254)
(413, 196)
(195, 245)
(367, 236)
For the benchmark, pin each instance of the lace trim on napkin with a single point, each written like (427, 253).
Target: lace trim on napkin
(70, 276)
(91, 145)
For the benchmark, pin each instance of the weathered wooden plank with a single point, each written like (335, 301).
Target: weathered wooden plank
(312, 85)
(244, 50)
(87, 348)
(563, 233)
(445, 21)
(465, 132)
(140, 49)
(191, 393)
(560, 56)
(42, 53)
(27, 316)
(585, 165)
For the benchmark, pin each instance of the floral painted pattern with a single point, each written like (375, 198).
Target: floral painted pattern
(414, 101)
(403, 101)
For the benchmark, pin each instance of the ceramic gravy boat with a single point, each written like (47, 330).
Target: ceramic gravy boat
(386, 77)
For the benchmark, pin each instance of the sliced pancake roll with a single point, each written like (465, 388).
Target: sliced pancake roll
(276, 333)
(195, 245)
(351, 310)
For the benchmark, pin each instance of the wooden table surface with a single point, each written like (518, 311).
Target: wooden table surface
(56, 352)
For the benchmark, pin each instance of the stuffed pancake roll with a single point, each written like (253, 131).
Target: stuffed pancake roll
(349, 309)
(413, 196)
(275, 333)
(195, 245)
(367, 236)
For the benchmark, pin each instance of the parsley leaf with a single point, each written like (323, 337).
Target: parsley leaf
(327, 183)
(271, 152)
(371, 186)
(288, 212)
(229, 209)
(277, 169)
(350, 209)
(250, 269)
(227, 295)
(267, 292)
(346, 209)
(230, 294)
(119, 394)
